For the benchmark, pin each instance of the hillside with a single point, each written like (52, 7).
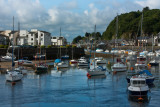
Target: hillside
(129, 24)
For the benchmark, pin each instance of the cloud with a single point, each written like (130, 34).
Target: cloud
(73, 18)
(151, 3)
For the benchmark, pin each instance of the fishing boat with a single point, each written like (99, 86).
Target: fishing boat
(13, 75)
(95, 71)
(138, 87)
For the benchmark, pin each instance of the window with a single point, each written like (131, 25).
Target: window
(53, 37)
(41, 34)
(31, 38)
(41, 39)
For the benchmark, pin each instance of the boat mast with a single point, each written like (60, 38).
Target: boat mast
(60, 42)
(94, 44)
(141, 29)
(12, 46)
(18, 37)
(116, 30)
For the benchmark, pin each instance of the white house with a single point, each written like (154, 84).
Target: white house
(36, 37)
(23, 37)
(58, 41)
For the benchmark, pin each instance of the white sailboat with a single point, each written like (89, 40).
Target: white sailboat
(118, 66)
(13, 75)
(95, 71)
(62, 64)
(73, 61)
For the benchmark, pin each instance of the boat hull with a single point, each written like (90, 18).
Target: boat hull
(154, 64)
(95, 73)
(40, 70)
(13, 78)
(119, 69)
(138, 93)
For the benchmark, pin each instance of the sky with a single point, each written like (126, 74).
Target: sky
(75, 17)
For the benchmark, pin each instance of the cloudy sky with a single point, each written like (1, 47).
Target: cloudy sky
(75, 17)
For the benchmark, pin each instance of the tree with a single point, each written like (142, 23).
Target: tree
(76, 39)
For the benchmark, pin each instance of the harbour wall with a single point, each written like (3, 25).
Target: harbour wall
(51, 53)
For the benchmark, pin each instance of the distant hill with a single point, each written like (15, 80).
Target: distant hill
(129, 24)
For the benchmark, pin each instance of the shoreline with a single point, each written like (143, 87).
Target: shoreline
(8, 65)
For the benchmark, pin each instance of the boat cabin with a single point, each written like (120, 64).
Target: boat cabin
(141, 59)
(137, 82)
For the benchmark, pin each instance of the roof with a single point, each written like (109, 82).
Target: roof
(13, 32)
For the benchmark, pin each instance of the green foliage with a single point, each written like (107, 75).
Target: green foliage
(76, 40)
(129, 24)
(87, 34)
(49, 46)
(67, 46)
(73, 46)
(42, 46)
(1, 46)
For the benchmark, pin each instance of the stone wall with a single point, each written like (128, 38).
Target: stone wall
(51, 53)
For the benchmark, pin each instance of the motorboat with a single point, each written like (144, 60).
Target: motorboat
(73, 61)
(154, 62)
(65, 57)
(151, 54)
(138, 87)
(142, 74)
(132, 53)
(107, 51)
(99, 50)
(7, 58)
(100, 60)
(83, 63)
(96, 72)
(63, 64)
(141, 61)
(119, 66)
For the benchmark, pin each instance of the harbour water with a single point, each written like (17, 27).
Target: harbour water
(71, 87)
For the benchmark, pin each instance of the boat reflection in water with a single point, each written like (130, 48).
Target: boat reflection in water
(135, 102)
(97, 77)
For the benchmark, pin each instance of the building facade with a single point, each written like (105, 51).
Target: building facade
(58, 41)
